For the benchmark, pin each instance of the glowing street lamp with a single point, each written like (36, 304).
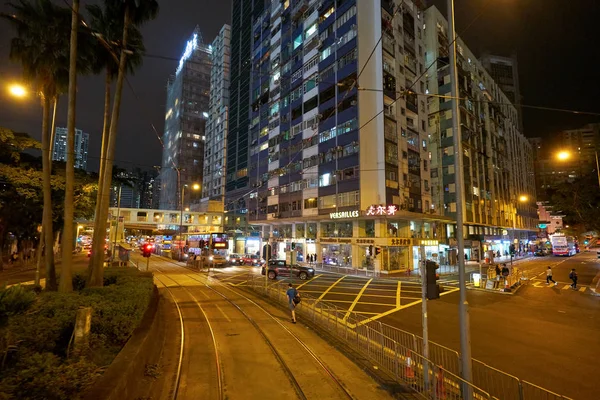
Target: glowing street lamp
(563, 155)
(523, 198)
(17, 90)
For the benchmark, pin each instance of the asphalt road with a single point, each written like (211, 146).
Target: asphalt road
(547, 335)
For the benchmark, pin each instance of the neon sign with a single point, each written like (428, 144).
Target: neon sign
(190, 46)
(382, 210)
(344, 214)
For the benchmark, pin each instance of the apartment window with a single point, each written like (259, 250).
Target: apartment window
(297, 41)
(297, 74)
(345, 17)
(310, 203)
(311, 63)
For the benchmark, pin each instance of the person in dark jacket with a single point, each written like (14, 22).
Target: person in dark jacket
(573, 277)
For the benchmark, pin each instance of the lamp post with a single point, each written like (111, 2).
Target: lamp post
(195, 186)
(463, 306)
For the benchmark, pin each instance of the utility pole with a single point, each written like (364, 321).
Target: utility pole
(424, 322)
(463, 307)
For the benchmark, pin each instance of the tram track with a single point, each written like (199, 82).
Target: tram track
(299, 388)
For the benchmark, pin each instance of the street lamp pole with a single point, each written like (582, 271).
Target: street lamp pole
(181, 223)
(463, 307)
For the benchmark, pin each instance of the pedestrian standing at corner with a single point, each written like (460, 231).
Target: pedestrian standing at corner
(573, 277)
(549, 276)
(292, 294)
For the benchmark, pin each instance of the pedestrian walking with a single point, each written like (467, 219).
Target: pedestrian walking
(498, 274)
(549, 276)
(573, 277)
(293, 300)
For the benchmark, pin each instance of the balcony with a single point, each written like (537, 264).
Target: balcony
(388, 44)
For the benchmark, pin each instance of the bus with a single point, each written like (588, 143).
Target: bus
(563, 245)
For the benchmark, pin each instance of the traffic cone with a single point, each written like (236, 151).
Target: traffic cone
(409, 372)
(440, 389)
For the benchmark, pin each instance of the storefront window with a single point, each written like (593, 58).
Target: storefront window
(285, 231)
(327, 229)
(337, 254)
(311, 230)
(395, 259)
(368, 227)
(300, 230)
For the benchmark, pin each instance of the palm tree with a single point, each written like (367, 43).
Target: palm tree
(106, 25)
(40, 47)
(135, 13)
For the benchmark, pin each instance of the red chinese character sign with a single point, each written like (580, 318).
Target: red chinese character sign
(382, 210)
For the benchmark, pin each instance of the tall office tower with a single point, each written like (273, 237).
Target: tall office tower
(499, 186)
(338, 156)
(505, 72)
(185, 124)
(243, 14)
(213, 187)
(59, 149)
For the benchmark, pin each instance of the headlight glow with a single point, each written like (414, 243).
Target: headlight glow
(210, 258)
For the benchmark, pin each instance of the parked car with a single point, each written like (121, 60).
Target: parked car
(252, 259)
(235, 259)
(282, 268)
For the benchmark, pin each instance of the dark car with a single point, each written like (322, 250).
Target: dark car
(540, 253)
(282, 268)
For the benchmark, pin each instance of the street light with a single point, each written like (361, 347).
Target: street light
(195, 187)
(564, 155)
(17, 90)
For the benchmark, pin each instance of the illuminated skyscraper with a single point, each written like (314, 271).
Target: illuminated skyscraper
(185, 123)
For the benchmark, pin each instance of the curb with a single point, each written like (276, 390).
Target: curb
(512, 290)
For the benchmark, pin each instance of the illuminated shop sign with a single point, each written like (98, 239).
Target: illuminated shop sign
(382, 210)
(344, 214)
(189, 49)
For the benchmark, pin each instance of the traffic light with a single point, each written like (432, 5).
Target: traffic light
(293, 245)
(371, 250)
(147, 250)
(377, 250)
(431, 277)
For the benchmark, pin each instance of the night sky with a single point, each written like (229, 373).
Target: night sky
(555, 41)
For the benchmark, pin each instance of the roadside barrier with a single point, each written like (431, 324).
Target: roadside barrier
(399, 353)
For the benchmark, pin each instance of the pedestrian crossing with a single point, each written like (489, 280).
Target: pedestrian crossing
(559, 286)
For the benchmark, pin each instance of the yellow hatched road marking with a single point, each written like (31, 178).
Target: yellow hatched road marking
(234, 276)
(398, 294)
(361, 303)
(240, 283)
(330, 287)
(356, 300)
(310, 280)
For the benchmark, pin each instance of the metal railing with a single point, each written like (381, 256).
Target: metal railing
(399, 353)
(346, 270)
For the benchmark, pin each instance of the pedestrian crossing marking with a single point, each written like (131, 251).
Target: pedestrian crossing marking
(582, 289)
(537, 284)
(566, 287)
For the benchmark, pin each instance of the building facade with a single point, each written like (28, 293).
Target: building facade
(336, 170)
(213, 186)
(185, 124)
(499, 185)
(505, 72)
(59, 148)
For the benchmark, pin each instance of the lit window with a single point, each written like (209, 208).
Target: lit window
(311, 30)
(297, 41)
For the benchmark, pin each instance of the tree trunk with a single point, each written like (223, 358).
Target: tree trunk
(66, 274)
(97, 237)
(96, 278)
(47, 216)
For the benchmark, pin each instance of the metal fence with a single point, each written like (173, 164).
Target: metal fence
(399, 353)
(346, 270)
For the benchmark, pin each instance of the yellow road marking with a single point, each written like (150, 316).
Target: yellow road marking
(356, 300)
(398, 295)
(537, 284)
(241, 283)
(330, 287)
(582, 289)
(234, 276)
(363, 303)
(310, 280)
(223, 312)
(566, 287)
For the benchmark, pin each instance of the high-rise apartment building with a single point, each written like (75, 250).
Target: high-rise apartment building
(185, 123)
(499, 185)
(338, 153)
(59, 149)
(213, 187)
(584, 143)
(243, 14)
(505, 72)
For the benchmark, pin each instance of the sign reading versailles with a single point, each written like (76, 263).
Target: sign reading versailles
(344, 214)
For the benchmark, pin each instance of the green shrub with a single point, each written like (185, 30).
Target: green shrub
(39, 369)
(15, 300)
